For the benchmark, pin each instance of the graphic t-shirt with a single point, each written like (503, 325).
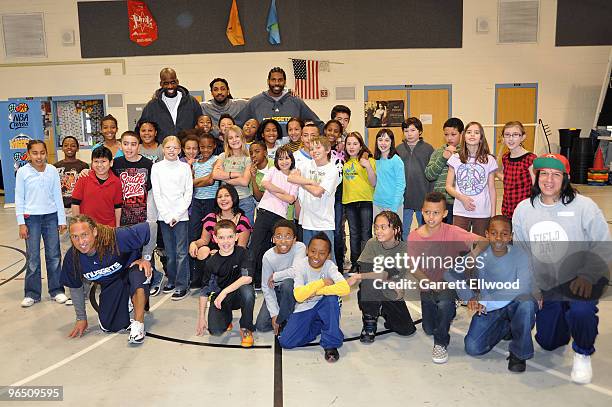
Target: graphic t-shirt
(69, 173)
(135, 180)
(130, 241)
(471, 179)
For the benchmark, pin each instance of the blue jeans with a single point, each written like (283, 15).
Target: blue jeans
(359, 216)
(449, 217)
(44, 226)
(407, 220)
(177, 250)
(339, 243)
(286, 304)
(559, 321)
(487, 330)
(243, 299)
(438, 311)
(247, 204)
(323, 319)
(309, 234)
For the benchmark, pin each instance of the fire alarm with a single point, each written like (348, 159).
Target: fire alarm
(324, 93)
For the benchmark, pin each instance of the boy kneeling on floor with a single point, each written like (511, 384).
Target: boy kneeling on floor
(233, 267)
(504, 306)
(317, 285)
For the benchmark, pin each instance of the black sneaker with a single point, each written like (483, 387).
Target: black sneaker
(169, 288)
(153, 291)
(332, 355)
(515, 364)
(368, 332)
(179, 294)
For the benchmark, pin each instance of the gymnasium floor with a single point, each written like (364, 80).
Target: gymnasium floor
(102, 369)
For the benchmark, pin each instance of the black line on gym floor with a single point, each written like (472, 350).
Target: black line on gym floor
(20, 271)
(278, 373)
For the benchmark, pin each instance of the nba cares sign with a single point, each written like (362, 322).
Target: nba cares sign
(143, 28)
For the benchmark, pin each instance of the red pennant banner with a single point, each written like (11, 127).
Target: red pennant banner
(143, 28)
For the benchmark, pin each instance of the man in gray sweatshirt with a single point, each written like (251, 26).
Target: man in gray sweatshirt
(222, 102)
(278, 104)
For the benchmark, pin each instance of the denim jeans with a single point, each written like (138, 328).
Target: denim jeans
(247, 204)
(359, 216)
(449, 217)
(199, 209)
(407, 220)
(438, 311)
(309, 234)
(44, 226)
(243, 299)
(177, 252)
(339, 243)
(286, 304)
(487, 330)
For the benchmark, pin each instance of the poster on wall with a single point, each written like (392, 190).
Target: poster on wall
(20, 122)
(143, 27)
(384, 113)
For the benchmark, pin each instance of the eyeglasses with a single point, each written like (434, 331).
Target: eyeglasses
(284, 237)
(513, 135)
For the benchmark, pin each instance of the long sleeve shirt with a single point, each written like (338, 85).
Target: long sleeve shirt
(437, 171)
(38, 193)
(390, 183)
(273, 262)
(500, 279)
(172, 189)
(308, 284)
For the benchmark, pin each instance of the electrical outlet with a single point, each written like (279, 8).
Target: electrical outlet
(107, 71)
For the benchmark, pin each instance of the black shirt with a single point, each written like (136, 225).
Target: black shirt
(230, 268)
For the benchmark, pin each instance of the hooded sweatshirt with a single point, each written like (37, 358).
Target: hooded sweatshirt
(264, 106)
(189, 110)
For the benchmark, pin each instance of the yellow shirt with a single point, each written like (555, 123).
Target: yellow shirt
(355, 184)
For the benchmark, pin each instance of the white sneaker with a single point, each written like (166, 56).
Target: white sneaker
(582, 373)
(439, 354)
(137, 333)
(69, 302)
(60, 298)
(27, 302)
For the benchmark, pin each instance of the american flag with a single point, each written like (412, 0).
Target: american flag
(306, 74)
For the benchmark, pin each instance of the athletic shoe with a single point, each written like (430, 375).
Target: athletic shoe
(180, 294)
(69, 302)
(27, 302)
(229, 327)
(247, 338)
(582, 373)
(368, 332)
(155, 290)
(60, 298)
(169, 288)
(137, 333)
(439, 354)
(516, 364)
(332, 355)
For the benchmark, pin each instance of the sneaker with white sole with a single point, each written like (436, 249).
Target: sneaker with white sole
(439, 354)
(69, 302)
(137, 333)
(582, 372)
(27, 302)
(60, 298)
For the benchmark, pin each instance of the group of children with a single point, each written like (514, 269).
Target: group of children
(248, 210)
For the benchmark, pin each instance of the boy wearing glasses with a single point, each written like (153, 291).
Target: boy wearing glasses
(277, 283)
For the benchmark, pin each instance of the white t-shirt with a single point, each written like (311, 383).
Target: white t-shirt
(471, 179)
(318, 213)
(302, 162)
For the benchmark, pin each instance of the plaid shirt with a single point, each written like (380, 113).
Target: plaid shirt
(517, 181)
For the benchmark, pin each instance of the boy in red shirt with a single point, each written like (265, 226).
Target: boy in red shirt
(99, 194)
(436, 244)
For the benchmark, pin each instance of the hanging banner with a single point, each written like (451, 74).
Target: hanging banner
(143, 28)
(20, 122)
